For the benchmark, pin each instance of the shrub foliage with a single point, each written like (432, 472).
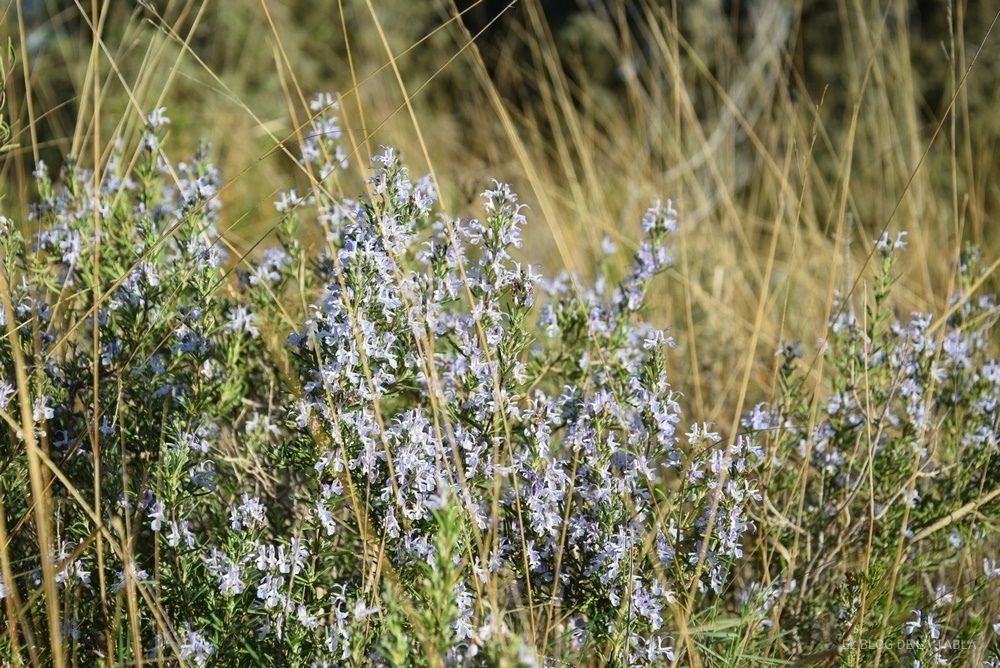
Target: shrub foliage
(409, 448)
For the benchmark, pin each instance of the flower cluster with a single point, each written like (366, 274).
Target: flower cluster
(905, 434)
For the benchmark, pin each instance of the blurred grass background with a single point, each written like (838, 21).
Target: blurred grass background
(790, 132)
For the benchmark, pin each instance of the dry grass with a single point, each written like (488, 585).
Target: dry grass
(648, 100)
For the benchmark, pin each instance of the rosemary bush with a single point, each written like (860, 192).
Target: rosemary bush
(408, 448)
